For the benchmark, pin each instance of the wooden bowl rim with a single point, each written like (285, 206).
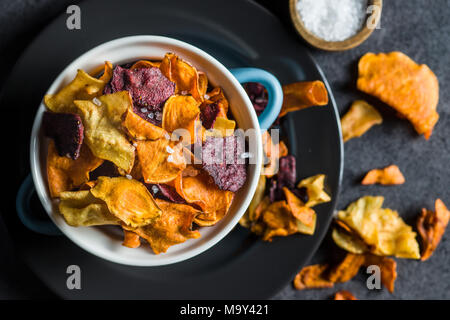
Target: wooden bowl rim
(317, 42)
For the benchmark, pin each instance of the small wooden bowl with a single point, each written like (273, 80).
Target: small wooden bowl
(350, 43)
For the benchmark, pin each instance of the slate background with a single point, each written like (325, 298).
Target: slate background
(419, 28)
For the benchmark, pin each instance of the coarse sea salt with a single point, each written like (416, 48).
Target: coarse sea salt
(333, 20)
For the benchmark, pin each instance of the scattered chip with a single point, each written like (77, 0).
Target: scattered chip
(81, 208)
(160, 160)
(359, 119)
(301, 95)
(390, 175)
(312, 277)
(172, 227)
(388, 269)
(431, 226)
(65, 174)
(83, 87)
(301, 212)
(344, 295)
(409, 88)
(101, 125)
(315, 190)
(67, 130)
(127, 199)
(347, 268)
(222, 159)
(383, 230)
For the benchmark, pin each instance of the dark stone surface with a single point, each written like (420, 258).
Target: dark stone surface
(416, 27)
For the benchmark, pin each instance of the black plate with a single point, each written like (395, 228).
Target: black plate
(237, 33)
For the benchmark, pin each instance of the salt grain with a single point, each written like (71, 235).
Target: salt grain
(170, 158)
(97, 102)
(184, 92)
(207, 96)
(333, 20)
(144, 110)
(158, 115)
(155, 189)
(129, 177)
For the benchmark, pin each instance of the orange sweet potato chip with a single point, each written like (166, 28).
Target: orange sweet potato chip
(184, 75)
(65, 174)
(279, 220)
(181, 112)
(312, 277)
(203, 192)
(173, 227)
(301, 95)
(145, 64)
(388, 269)
(359, 119)
(390, 175)
(344, 295)
(431, 226)
(131, 239)
(301, 212)
(161, 160)
(409, 88)
(347, 269)
(127, 199)
(140, 129)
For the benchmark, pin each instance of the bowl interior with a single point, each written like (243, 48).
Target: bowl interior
(347, 44)
(106, 241)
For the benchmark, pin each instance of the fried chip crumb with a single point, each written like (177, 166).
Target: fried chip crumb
(359, 119)
(312, 277)
(344, 295)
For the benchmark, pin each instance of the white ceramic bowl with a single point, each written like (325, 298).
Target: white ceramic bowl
(106, 242)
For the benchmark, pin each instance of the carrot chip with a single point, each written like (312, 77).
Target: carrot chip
(301, 95)
(312, 277)
(390, 175)
(431, 226)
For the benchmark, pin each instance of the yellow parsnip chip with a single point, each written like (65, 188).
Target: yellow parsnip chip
(315, 190)
(102, 133)
(83, 87)
(127, 199)
(383, 230)
(81, 208)
(359, 119)
(409, 88)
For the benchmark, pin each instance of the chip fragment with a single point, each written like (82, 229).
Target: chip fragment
(301, 95)
(130, 239)
(344, 295)
(409, 88)
(431, 226)
(65, 174)
(312, 277)
(67, 130)
(359, 119)
(390, 175)
(140, 129)
(127, 199)
(301, 212)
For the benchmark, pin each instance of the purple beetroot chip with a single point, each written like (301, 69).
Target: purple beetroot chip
(285, 178)
(66, 130)
(209, 114)
(165, 192)
(148, 87)
(258, 95)
(223, 159)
